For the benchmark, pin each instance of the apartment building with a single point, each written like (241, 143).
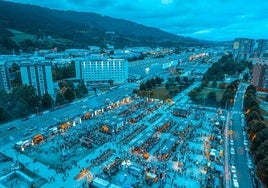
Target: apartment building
(245, 48)
(4, 80)
(7, 74)
(38, 74)
(260, 74)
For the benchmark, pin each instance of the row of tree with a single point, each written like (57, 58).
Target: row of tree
(225, 66)
(257, 132)
(151, 83)
(68, 92)
(211, 98)
(60, 73)
(229, 94)
(22, 101)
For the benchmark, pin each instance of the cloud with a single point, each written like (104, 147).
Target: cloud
(205, 19)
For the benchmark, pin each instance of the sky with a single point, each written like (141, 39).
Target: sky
(216, 20)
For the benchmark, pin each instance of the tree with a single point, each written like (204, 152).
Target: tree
(167, 85)
(211, 97)
(178, 79)
(148, 84)
(158, 80)
(192, 94)
(153, 81)
(143, 87)
(261, 136)
(82, 88)
(59, 99)
(69, 94)
(262, 170)
(246, 77)
(185, 79)
(21, 109)
(111, 82)
(95, 90)
(222, 85)
(253, 115)
(3, 115)
(205, 83)
(47, 101)
(261, 152)
(214, 83)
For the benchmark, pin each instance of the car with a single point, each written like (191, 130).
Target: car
(235, 178)
(236, 184)
(11, 128)
(232, 161)
(232, 151)
(231, 142)
(250, 165)
(245, 142)
(233, 169)
(28, 133)
(32, 129)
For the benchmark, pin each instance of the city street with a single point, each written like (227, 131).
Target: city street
(51, 118)
(240, 156)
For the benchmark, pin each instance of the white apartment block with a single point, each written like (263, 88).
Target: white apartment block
(4, 81)
(97, 69)
(39, 75)
(6, 76)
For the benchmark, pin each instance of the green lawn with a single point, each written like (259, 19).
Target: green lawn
(21, 36)
(203, 94)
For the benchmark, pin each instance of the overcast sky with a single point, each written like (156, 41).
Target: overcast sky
(204, 19)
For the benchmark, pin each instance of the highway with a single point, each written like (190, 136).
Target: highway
(240, 156)
(20, 127)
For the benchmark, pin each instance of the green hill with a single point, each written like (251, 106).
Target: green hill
(42, 27)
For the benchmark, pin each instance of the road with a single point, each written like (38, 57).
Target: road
(8, 135)
(240, 157)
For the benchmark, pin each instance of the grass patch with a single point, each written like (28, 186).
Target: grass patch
(20, 36)
(203, 94)
(160, 93)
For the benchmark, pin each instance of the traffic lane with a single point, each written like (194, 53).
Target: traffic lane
(240, 153)
(56, 116)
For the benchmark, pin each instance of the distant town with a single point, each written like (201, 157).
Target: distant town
(136, 117)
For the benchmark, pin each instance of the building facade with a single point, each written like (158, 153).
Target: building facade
(260, 74)
(243, 48)
(39, 75)
(7, 74)
(97, 69)
(261, 47)
(4, 81)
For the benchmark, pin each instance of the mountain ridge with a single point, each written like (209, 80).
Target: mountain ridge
(83, 28)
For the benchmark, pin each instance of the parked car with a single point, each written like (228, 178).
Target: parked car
(236, 184)
(234, 178)
(232, 151)
(233, 169)
(231, 142)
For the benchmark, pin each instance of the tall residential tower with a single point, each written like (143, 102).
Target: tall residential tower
(39, 75)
